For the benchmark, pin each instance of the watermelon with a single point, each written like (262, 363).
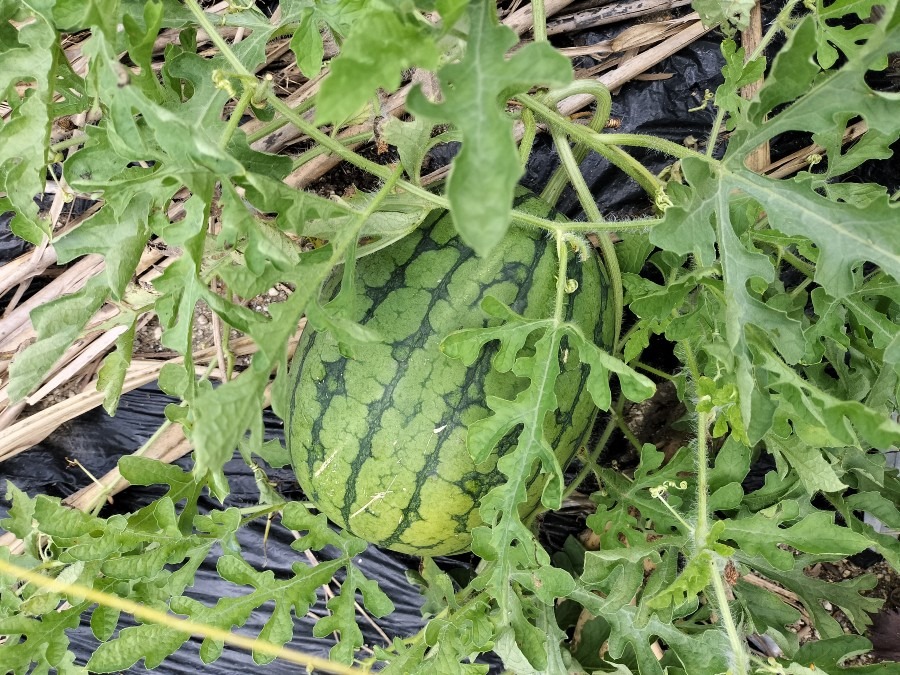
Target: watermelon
(378, 440)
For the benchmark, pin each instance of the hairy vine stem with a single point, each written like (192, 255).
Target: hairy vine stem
(106, 490)
(539, 17)
(600, 142)
(701, 530)
(235, 118)
(603, 99)
(317, 150)
(561, 279)
(570, 166)
(738, 648)
(778, 25)
(590, 462)
(618, 157)
(590, 208)
(701, 527)
(217, 39)
(527, 142)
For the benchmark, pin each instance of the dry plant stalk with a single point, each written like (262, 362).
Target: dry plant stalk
(799, 160)
(760, 158)
(611, 13)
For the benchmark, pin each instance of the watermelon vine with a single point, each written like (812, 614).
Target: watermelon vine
(460, 338)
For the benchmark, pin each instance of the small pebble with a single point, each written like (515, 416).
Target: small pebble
(202, 320)
(157, 333)
(827, 606)
(845, 573)
(273, 292)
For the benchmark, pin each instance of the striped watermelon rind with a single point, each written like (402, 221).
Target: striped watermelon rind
(378, 441)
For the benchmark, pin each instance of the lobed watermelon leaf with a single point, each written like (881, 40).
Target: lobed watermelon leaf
(472, 89)
(28, 53)
(382, 41)
(509, 543)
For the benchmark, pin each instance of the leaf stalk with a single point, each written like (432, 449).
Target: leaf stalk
(590, 208)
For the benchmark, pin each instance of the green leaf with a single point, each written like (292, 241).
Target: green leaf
(150, 642)
(318, 533)
(760, 534)
(815, 472)
(449, 640)
(810, 404)
(835, 38)
(344, 330)
(119, 232)
(845, 234)
(58, 324)
(306, 43)
(767, 613)
(179, 289)
(466, 345)
(827, 656)
(46, 636)
(696, 576)
(274, 454)
(28, 54)
(472, 89)
(635, 386)
(649, 300)
(732, 464)
(342, 619)
(111, 375)
(709, 222)
(878, 506)
(633, 251)
(737, 74)
(141, 37)
(74, 15)
(104, 620)
(251, 51)
(741, 263)
(632, 634)
(625, 506)
(20, 516)
(222, 416)
(848, 594)
(734, 13)
(412, 142)
(380, 45)
(451, 11)
(293, 595)
(435, 586)
(529, 409)
(143, 471)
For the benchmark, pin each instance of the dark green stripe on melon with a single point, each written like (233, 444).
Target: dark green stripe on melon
(378, 441)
